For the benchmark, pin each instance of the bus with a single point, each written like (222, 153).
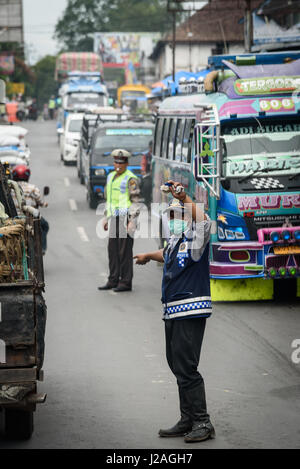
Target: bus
(236, 148)
(134, 95)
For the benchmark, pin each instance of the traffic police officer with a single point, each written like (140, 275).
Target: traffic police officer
(122, 194)
(187, 304)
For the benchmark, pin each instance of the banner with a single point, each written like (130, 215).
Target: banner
(15, 88)
(272, 33)
(118, 49)
(7, 64)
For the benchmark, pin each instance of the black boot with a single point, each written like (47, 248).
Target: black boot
(107, 286)
(202, 428)
(185, 423)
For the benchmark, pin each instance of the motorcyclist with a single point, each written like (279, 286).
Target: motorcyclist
(32, 110)
(32, 195)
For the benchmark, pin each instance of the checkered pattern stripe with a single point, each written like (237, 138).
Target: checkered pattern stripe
(186, 309)
(181, 262)
(266, 183)
(120, 212)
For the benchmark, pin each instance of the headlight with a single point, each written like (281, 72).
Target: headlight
(100, 172)
(70, 141)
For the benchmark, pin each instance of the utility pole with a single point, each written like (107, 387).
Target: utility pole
(181, 6)
(248, 28)
(174, 46)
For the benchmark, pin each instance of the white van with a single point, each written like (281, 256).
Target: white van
(69, 138)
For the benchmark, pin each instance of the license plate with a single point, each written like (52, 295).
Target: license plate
(286, 249)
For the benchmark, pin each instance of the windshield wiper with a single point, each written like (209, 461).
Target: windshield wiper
(263, 170)
(294, 176)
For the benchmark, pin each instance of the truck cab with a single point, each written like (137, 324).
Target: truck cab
(129, 135)
(23, 311)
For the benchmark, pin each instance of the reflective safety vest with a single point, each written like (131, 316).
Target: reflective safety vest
(117, 193)
(51, 104)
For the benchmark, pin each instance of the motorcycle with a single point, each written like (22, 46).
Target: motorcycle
(32, 112)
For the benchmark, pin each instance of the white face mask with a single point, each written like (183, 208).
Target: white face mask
(177, 227)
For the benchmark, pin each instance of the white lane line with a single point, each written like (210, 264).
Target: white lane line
(67, 182)
(82, 234)
(73, 205)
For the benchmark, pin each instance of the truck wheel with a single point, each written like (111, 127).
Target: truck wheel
(92, 200)
(18, 424)
(81, 178)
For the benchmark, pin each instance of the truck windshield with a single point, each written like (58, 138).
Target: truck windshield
(82, 100)
(266, 145)
(133, 94)
(135, 141)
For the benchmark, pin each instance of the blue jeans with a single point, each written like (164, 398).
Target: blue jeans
(44, 229)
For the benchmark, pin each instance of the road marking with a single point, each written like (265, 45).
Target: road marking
(73, 205)
(67, 182)
(82, 234)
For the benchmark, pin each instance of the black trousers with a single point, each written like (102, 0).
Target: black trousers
(120, 254)
(183, 346)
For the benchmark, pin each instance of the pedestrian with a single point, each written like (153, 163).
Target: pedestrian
(187, 304)
(126, 107)
(51, 107)
(122, 193)
(45, 112)
(147, 160)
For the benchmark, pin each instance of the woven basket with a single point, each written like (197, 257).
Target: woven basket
(12, 251)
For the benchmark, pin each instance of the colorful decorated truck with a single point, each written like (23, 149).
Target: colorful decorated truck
(236, 148)
(82, 85)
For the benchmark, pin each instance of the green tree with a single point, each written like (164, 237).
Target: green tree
(82, 18)
(139, 15)
(45, 85)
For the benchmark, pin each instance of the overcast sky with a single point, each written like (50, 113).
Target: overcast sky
(40, 18)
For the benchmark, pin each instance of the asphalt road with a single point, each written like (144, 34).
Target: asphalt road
(106, 377)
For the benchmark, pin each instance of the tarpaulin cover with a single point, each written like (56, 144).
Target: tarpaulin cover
(167, 83)
(251, 71)
(83, 61)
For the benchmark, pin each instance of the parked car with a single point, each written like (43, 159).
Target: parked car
(69, 138)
